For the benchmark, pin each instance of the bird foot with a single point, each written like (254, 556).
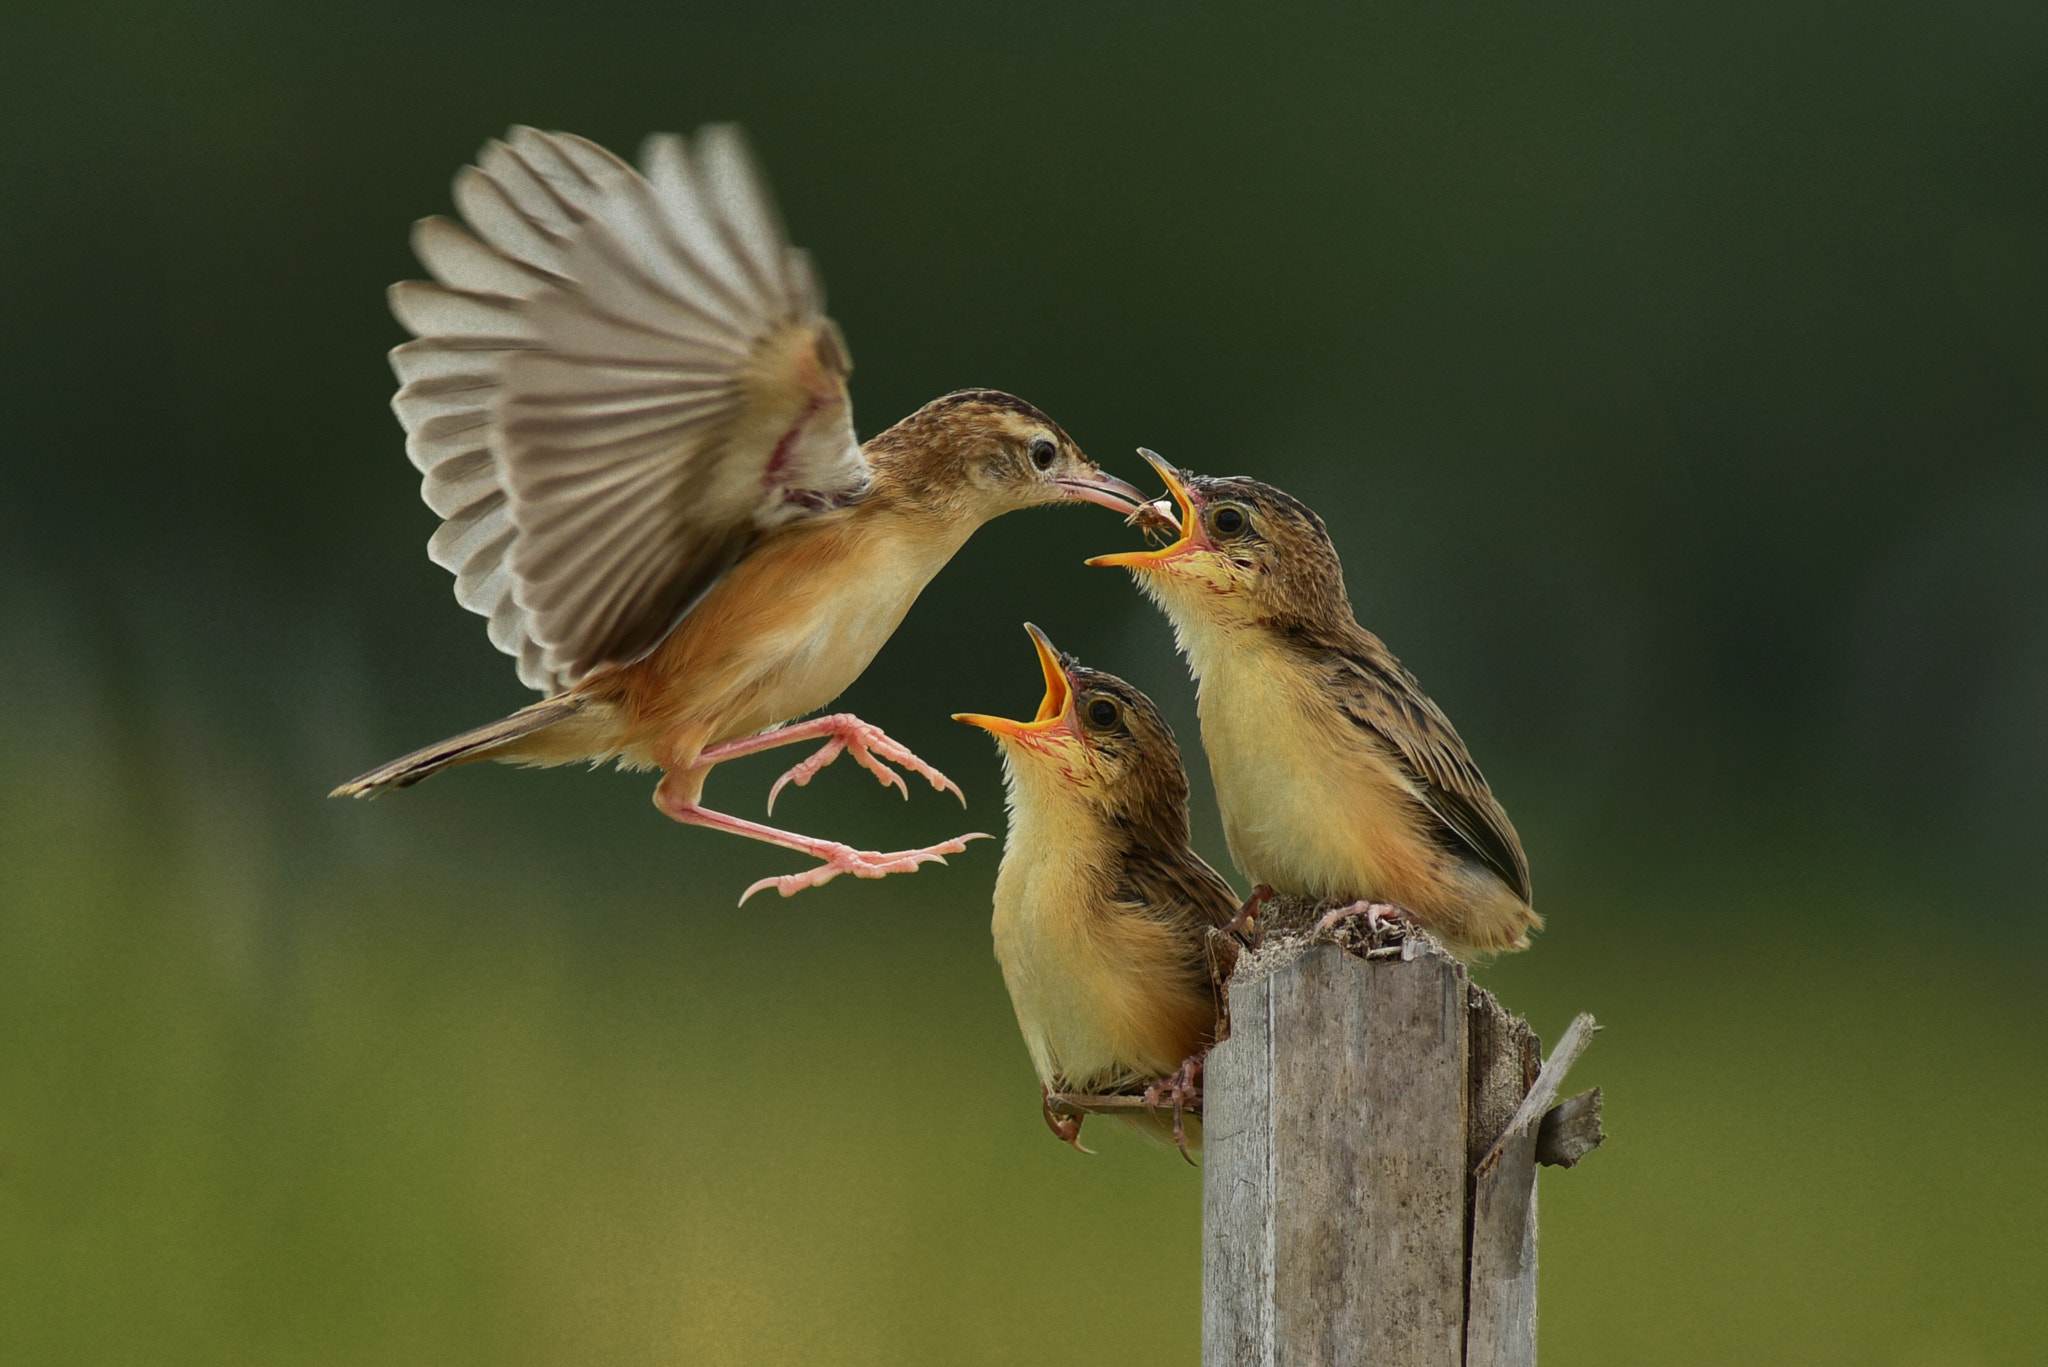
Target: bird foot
(870, 746)
(861, 864)
(1065, 1128)
(1249, 912)
(1378, 916)
(1184, 1091)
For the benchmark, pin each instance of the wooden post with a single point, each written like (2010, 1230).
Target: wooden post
(1372, 1129)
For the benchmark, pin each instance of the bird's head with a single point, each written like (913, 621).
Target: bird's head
(979, 453)
(1246, 553)
(1096, 741)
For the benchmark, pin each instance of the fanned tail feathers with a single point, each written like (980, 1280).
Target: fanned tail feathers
(481, 743)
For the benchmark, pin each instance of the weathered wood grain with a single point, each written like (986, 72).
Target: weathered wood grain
(1500, 1327)
(1334, 1203)
(1237, 1186)
(1506, 1056)
(1374, 1124)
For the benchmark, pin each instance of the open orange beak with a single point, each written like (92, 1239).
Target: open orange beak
(1192, 538)
(1054, 713)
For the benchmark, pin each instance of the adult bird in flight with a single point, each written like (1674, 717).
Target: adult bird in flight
(631, 413)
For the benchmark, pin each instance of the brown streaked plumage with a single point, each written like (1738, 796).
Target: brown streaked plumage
(631, 411)
(1336, 774)
(1107, 923)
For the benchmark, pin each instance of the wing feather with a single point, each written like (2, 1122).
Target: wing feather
(440, 357)
(686, 218)
(620, 382)
(459, 261)
(441, 397)
(497, 218)
(435, 311)
(539, 198)
(639, 278)
(1382, 696)
(461, 483)
(744, 212)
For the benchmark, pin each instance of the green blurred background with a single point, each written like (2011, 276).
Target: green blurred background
(1674, 379)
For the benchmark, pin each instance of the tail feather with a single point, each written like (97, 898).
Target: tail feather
(480, 743)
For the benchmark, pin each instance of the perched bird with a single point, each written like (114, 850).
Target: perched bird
(631, 411)
(1336, 775)
(1107, 924)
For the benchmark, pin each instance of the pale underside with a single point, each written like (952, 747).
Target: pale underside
(781, 635)
(1314, 805)
(1103, 992)
(620, 383)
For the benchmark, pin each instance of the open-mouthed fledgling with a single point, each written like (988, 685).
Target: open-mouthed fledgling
(1336, 775)
(631, 411)
(1107, 924)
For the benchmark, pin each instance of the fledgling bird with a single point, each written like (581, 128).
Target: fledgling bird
(1107, 924)
(631, 411)
(1336, 775)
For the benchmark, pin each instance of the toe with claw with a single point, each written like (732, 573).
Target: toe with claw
(861, 864)
(803, 772)
(1065, 1128)
(1378, 916)
(1184, 1091)
(872, 750)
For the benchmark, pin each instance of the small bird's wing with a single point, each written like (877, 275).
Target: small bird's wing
(1178, 882)
(1379, 694)
(620, 383)
(1177, 886)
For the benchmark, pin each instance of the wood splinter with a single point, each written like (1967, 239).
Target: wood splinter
(1570, 1130)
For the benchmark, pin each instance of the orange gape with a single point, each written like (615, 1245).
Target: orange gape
(631, 412)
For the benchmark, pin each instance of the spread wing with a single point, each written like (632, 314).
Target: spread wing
(1382, 696)
(620, 383)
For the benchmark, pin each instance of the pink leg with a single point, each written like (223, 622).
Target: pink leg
(838, 858)
(848, 734)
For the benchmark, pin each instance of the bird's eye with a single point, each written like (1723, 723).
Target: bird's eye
(1227, 521)
(1102, 713)
(1042, 453)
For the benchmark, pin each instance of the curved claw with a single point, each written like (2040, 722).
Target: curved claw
(803, 772)
(901, 755)
(1066, 1129)
(882, 772)
(870, 746)
(1184, 1090)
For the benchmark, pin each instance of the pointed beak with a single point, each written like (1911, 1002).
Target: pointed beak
(1106, 489)
(1054, 713)
(1191, 537)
